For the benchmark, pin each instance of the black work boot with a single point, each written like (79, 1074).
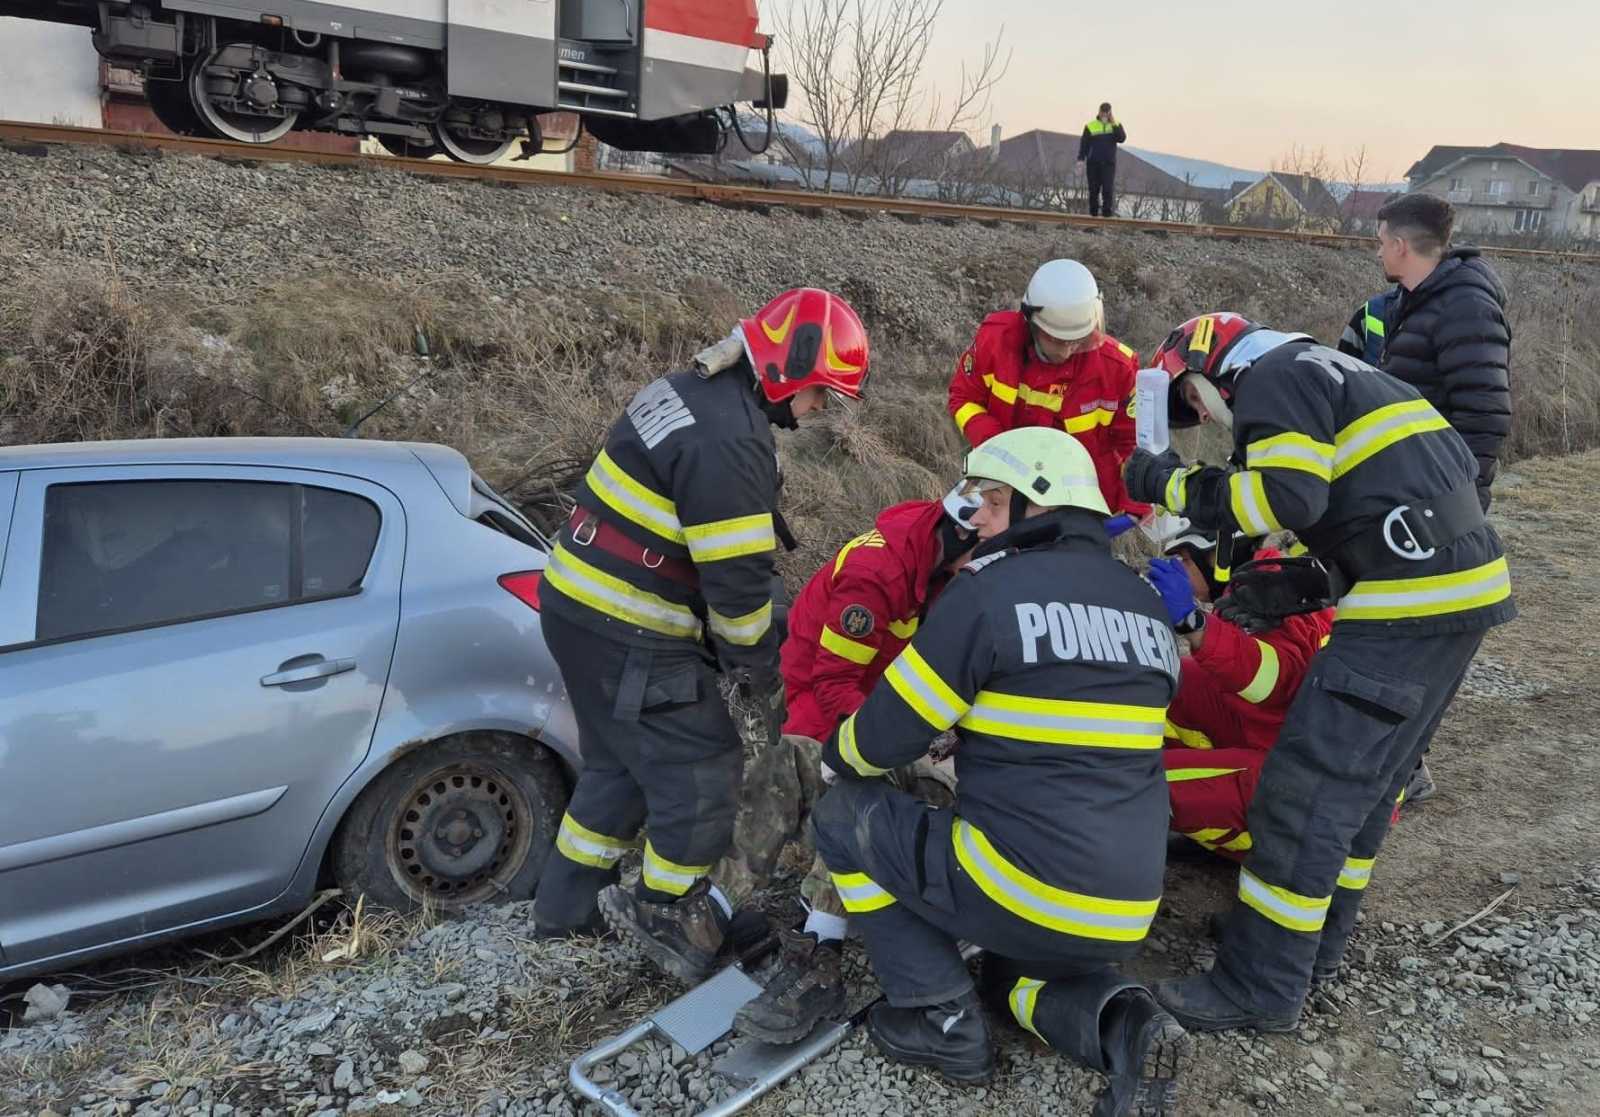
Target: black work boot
(952, 1037)
(1145, 1051)
(1201, 1007)
(806, 988)
(682, 938)
(1420, 787)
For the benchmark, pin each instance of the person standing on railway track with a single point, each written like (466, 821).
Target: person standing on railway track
(673, 537)
(1097, 154)
(1053, 663)
(1442, 329)
(1052, 364)
(1380, 489)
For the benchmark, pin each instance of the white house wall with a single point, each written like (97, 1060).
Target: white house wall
(49, 74)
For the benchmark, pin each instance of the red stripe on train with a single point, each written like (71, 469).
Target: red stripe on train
(726, 21)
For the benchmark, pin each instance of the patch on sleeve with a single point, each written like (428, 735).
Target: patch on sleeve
(965, 367)
(977, 564)
(1131, 405)
(857, 622)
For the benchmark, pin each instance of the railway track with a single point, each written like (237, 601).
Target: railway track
(14, 132)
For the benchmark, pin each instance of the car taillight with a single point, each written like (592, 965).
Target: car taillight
(524, 586)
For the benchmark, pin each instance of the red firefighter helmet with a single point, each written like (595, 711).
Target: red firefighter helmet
(1202, 345)
(807, 338)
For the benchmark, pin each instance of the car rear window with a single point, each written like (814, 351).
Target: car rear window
(120, 555)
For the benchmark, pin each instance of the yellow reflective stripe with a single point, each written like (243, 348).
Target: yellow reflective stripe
(850, 752)
(1127, 350)
(579, 844)
(1052, 721)
(612, 596)
(1260, 688)
(1176, 497)
(1297, 549)
(732, 538)
(1378, 430)
(1191, 738)
(633, 500)
(1239, 844)
(1357, 873)
(866, 539)
(1204, 331)
(1207, 837)
(1045, 400)
(846, 648)
(1099, 417)
(1381, 599)
(1283, 907)
(1005, 393)
(965, 413)
(1372, 323)
(744, 631)
(906, 629)
(1184, 775)
(1247, 496)
(669, 876)
(921, 688)
(1291, 450)
(860, 893)
(1071, 913)
(1024, 995)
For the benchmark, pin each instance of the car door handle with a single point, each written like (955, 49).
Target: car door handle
(319, 670)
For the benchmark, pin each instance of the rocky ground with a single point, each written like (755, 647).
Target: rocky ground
(289, 274)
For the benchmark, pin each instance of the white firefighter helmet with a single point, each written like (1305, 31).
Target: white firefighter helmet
(1044, 466)
(1063, 300)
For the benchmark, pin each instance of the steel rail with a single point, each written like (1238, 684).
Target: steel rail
(14, 132)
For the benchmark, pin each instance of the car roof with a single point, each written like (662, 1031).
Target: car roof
(332, 454)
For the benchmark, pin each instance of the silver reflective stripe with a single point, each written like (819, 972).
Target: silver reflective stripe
(1293, 451)
(740, 632)
(1059, 724)
(1309, 914)
(1404, 413)
(675, 617)
(1022, 899)
(1255, 520)
(611, 489)
(859, 894)
(903, 672)
(745, 540)
(1363, 597)
(597, 849)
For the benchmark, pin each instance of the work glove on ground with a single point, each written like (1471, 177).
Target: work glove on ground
(1116, 525)
(755, 701)
(1262, 593)
(1171, 581)
(1145, 474)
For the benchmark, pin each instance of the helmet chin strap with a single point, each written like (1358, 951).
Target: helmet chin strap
(1215, 405)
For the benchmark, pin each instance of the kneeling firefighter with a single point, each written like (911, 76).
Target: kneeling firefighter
(1382, 491)
(852, 619)
(674, 533)
(1054, 665)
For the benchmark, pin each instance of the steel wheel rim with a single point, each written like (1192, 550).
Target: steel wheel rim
(220, 122)
(463, 155)
(460, 836)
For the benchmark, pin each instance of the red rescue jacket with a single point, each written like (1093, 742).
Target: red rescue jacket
(856, 614)
(1000, 384)
(1252, 678)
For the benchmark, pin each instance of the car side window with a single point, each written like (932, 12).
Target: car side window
(121, 555)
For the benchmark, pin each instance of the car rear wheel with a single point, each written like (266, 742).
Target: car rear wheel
(461, 821)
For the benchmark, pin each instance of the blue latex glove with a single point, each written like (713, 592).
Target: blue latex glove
(1171, 581)
(1116, 525)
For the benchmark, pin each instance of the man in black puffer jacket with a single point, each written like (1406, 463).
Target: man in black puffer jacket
(1446, 335)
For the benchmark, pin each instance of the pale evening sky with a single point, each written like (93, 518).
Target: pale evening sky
(1242, 81)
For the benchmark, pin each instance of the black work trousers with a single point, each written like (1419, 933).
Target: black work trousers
(1102, 187)
(894, 865)
(1364, 715)
(659, 749)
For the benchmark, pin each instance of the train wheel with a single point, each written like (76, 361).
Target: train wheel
(218, 95)
(403, 148)
(469, 149)
(170, 101)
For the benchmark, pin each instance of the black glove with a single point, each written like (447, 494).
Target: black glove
(1145, 474)
(755, 701)
(1262, 593)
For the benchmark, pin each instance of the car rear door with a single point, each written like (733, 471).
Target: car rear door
(192, 661)
(8, 493)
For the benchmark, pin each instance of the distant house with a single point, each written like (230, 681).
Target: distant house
(1279, 200)
(1040, 168)
(1358, 209)
(905, 155)
(1511, 189)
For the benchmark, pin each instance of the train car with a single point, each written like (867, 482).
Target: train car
(466, 78)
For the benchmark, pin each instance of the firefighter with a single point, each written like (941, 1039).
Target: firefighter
(1054, 664)
(1233, 691)
(1051, 364)
(848, 624)
(1381, 490)
(672, 539)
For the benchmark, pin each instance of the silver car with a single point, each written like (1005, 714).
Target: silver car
(232, 669)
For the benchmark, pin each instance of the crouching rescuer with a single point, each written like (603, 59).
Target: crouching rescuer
(672, 539)
(1054, 664)
(1382, 491)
